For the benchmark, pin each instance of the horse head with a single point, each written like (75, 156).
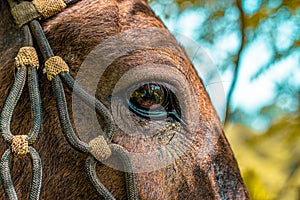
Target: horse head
(121, 53)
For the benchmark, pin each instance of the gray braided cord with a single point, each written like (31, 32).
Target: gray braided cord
(64, 119)
(5, 120)
(10, 104)
(90, 168)
(36, 183)
(67, 129)
(36, 105)
(131, 184)
(6, 180)
(102, 111)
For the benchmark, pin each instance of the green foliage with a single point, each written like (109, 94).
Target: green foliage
(220, 21)
(269, 161)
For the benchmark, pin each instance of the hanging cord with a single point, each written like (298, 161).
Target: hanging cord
(131, 185)
(67, 129)
(101, 110)
(19, 144)
(56, 82)
(56, 69)
(55, 75)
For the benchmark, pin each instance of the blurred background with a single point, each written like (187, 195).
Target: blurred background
(248, 54)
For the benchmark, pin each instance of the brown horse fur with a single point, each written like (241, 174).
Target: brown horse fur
(72, 34)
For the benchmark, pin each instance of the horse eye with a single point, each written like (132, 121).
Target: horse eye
(150, 100)
(149, 96)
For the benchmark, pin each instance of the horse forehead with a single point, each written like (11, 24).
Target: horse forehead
(97, 20)
(75, 32)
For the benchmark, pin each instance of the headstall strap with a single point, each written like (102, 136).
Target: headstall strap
(24, 13)
(100, 148)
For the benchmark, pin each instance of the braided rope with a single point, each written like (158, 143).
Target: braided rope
(48, 8)
(54, 66)
(20, 148)
(19, 144)
(101, 110)
(90, 169)
(131, 185)
(27, 56)
(10, 104)
(36, 183)
(36, 105)
(6, 180)
(64, 118)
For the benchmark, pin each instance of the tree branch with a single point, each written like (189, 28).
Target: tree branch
(237, 60)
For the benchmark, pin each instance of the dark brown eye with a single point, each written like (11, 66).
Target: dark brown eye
(154, 101)
(149, 97)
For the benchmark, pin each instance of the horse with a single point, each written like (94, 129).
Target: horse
(192, 158)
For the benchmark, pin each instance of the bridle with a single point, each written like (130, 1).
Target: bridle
(26, 15)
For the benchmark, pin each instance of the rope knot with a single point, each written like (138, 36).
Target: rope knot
(54, 66)
(48, 8)
(27, 56)
(99, 148)
(19, 146)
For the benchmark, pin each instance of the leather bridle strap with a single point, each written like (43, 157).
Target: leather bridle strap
(57, 70)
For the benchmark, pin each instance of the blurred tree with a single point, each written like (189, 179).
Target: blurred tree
(230, 29)
(269, 161)
(233, 32)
